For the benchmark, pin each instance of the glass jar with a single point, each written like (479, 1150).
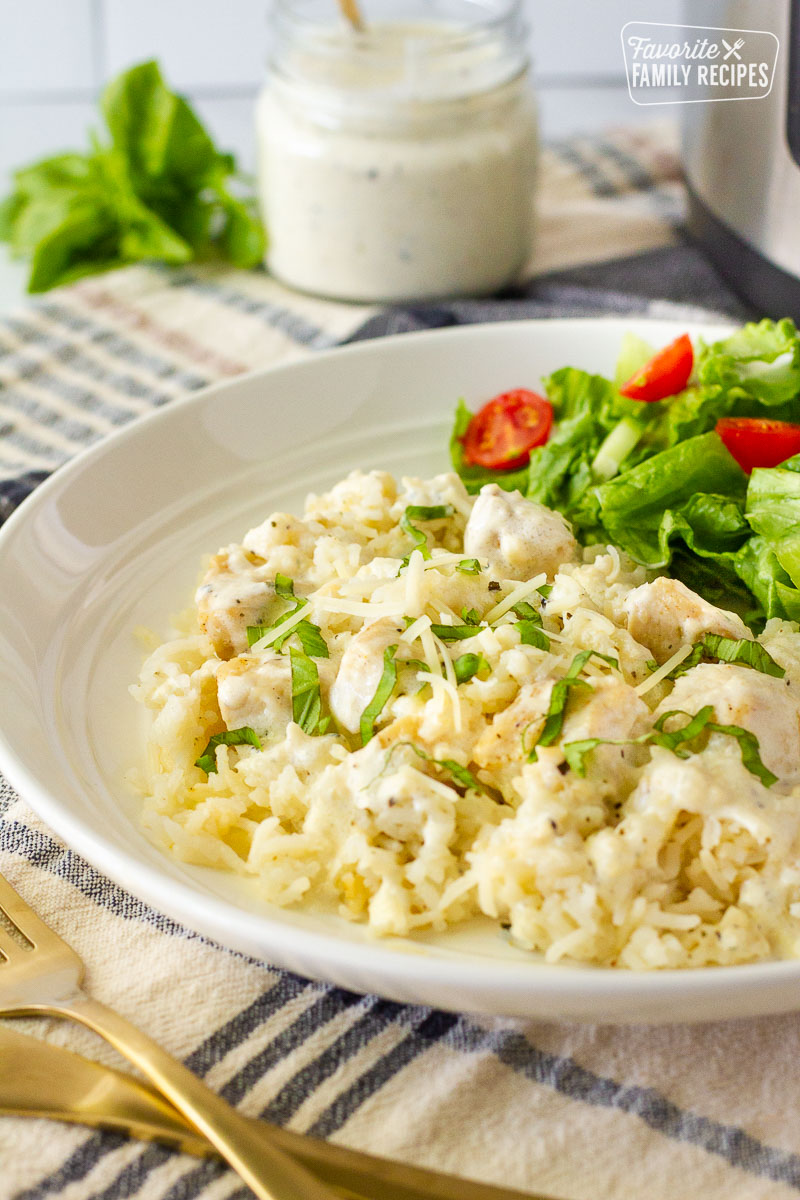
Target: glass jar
(398, 163)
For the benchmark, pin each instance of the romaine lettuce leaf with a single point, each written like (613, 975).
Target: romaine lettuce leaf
(760, 360)
(683, 491)
(773, 510)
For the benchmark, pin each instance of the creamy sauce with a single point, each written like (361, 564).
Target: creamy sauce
(390, 175)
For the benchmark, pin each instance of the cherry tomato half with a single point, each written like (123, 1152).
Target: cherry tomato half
(755, 442)
(502, 434)
(664, 375)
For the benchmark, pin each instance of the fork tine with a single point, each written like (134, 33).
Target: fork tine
(22, 915)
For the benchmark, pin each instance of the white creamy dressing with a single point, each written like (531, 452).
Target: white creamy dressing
(391, 168)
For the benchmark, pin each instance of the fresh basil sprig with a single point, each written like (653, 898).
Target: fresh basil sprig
(158, 189)
(230, 737)
(562, 689)
(701, 722)
(383, 691)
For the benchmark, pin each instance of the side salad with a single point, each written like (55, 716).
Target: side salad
(688, 459)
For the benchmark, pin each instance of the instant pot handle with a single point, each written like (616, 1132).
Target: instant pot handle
(793, 90)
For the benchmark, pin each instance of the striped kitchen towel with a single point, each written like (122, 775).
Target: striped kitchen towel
(579, 1112)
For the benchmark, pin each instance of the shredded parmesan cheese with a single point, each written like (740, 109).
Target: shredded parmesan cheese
(416, 629)
(663, 670)
(519, 593)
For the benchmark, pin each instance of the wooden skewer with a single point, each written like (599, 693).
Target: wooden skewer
(352, 13)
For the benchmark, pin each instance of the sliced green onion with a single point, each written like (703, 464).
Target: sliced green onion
(244, 736)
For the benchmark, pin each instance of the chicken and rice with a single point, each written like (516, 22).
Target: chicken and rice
(420, 706)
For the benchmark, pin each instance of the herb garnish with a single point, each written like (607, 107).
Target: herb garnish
(529, 624)
(729, 650)
(306, 698)
(421, 512)
(230, 737)
(468, 665)
(461, 774)
(454, 633)
(158, 189)
(310, 635)
(701, 722)
(469, 566)
(383, 691)
(554, 721)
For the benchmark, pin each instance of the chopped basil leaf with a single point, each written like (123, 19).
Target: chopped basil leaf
(730, 650)
(416, 663)
(470, 616)
(306, 699)
(468, 665)
(244, 736)
(554, 721)
(748, 747)
(421, 512)
(454, 633)
(701, 722)
(529, 624)
(694, 726)
(469, 566)
(382, 693)
(545, 590)
(311, 639)
(651, 665)
(284, 590)
(461, 774)
(284, 587)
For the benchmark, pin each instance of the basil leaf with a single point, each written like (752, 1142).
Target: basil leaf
(545, 590)
(469, 566)
(562, 689)
(575, 752)
(468, 665)
(421, 512)
(748, 747)
(428, 512)
(311, 639)
(230, 737)
(284, 588)
(470, 616)
(454, 633)
(383, 691)
(730, 650)
(306, 699)
(461, 774)
(529, 624)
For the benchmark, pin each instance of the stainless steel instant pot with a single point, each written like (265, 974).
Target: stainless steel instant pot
(742, 163)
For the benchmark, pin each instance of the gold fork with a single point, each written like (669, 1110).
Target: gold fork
(40, 973)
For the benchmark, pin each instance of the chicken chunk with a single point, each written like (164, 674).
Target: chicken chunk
(741, 696)
(256, 692)
(516, 728)
(665, 615)
(233, 595)
(613, 710)
(360, 671)
(516, 536)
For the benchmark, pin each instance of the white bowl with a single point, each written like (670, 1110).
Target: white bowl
(115, 539)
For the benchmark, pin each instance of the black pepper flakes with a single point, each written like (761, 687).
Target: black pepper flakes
(563, 767)
(494, 586)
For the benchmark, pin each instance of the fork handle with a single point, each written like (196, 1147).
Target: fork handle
(271, 1174)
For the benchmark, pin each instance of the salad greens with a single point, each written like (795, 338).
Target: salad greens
(158, 189)
(655, 479)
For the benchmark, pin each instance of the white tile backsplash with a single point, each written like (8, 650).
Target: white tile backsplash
(199, 43)
(575, 38)
(46, 45)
